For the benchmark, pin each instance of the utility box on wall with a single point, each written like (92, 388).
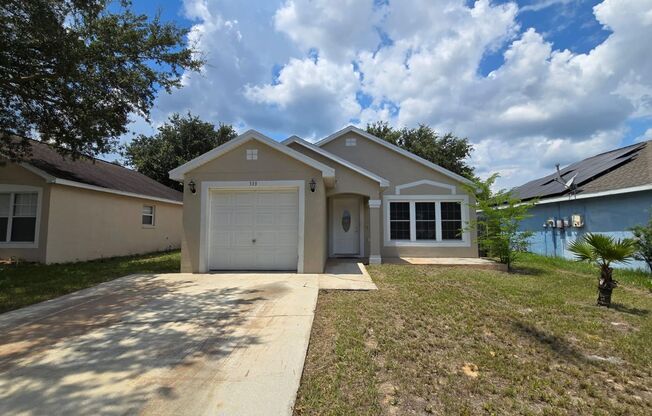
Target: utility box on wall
(577, 221)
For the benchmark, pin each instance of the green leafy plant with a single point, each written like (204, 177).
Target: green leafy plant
(643, 243)
(603, 250)
(180, 139)
(498, 221)
(73, 73)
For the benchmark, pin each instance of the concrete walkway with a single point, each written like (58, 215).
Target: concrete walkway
(345, 274)
(471, 262)
(173, 344)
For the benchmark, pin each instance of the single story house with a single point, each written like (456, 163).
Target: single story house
(257, 204)
(611, 193)
(55, 209)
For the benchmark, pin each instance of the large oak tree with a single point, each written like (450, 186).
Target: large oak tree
(72, 72)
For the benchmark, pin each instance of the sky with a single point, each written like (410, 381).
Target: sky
(530, 83)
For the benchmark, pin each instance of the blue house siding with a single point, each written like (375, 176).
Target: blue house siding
(612, 215)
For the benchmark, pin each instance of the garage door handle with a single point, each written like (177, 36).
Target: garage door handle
(253, 241)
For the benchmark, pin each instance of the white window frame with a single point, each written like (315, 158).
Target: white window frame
(153, 215)
(437, 199)
(252, 154)
(19, 189)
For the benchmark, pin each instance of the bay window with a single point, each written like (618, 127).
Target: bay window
(425, 220)
(18, 217)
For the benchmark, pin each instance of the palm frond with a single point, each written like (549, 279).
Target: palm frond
(602, 249)
(582, 250)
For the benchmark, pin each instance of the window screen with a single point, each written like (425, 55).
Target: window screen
(426, 220)
(451, 221)
(399, 220)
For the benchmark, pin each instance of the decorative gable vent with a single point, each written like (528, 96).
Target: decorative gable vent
(351, 141)
(252, 154)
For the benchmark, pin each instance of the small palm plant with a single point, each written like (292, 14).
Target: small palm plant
(602, 250)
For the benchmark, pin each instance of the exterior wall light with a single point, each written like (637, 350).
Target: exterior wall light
(191, 186)
(313, 185)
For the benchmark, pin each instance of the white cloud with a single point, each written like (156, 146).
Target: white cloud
(645, 136)
(318, 94)
(299, 66)
(338, 28)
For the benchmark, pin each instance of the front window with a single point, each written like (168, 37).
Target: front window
(18, 217)
(148, 215)
(425, 221)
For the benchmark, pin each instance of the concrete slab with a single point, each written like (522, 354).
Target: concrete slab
(346, 274)
(476, 263)
(181, 344)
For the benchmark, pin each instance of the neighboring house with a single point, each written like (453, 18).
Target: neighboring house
(254, 203)
(55, 209)
(613, 193)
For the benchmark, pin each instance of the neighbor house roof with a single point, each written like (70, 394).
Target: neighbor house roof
(397, 149)
(627, 169)
(177, 174)
(364, 172)
(95, 174)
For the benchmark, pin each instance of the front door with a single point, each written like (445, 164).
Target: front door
(345, 226)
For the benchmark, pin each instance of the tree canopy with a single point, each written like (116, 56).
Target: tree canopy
(447, 151)
(72, 72)
(180, 139)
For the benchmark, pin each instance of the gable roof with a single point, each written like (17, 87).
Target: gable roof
(418, 159)
(629, 167)
(95, 174)
(364, 172)
(177, 173)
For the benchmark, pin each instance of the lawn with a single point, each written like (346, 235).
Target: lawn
(460, 341)
(27, 283)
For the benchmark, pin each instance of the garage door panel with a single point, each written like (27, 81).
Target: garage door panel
(239, 217)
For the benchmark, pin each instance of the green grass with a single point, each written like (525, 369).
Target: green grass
(29, 283)
(535, 337)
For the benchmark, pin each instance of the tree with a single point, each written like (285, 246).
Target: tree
(447, 151)
(72, 72)
(498, 221)
(602, 251)
(179, 140)
(643, 242)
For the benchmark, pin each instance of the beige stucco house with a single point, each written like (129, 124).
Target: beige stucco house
(257, 204)
(55, 209)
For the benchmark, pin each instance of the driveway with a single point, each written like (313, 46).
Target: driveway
(174, 344)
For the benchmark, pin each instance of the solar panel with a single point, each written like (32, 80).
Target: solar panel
(586, 170)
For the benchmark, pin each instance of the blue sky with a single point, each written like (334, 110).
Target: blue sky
(531, 83)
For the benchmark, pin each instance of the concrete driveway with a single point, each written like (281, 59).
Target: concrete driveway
(174, 344)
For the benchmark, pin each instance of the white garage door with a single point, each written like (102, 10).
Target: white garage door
(253, 230)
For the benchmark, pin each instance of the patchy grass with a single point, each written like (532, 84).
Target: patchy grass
(30, 283)
(463, 341)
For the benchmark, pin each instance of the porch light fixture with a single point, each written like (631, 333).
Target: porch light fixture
(191, 186)
(313, 185)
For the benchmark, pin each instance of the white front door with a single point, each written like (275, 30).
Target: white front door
(253, 230)
(345, 226)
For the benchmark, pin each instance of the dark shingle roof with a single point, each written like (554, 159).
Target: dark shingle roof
(97, 172)
(621, 168)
